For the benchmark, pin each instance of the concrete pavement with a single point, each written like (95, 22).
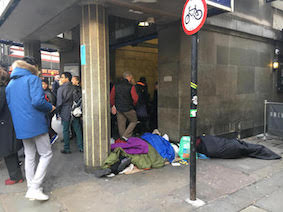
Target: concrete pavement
(249, 185)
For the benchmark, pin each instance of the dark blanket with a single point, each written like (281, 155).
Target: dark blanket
(216, 147)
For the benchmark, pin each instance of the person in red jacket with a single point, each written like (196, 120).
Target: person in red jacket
(123, 99)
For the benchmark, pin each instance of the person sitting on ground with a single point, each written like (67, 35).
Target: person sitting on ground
(50, 97)
(25, 98)
(64, 106)
(123, 98)
(9, 145)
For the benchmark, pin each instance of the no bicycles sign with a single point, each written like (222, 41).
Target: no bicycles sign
(194, 16)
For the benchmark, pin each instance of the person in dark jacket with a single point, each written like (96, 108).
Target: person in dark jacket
(56, 85)
(9, 145)
(123, 99)
(25, 98)
(51, 98)
(142, 105)
(77, 102)
(154, 109)
(64, 107)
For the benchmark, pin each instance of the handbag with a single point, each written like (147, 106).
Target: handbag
(77, 109)
(77, 112)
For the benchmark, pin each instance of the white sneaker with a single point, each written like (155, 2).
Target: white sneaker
(36, 194)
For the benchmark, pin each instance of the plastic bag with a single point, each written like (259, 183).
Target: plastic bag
(184, 151)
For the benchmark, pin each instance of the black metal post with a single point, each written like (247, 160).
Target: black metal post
(193, 115)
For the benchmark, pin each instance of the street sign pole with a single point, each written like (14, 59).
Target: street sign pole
(193, 114)
(193, 18)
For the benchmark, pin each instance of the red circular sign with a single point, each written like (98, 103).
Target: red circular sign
(194, 16)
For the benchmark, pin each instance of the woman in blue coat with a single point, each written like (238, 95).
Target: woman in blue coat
(25, 98)
(9, 145)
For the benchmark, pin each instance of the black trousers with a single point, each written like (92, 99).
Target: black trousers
(14, 169)
(51, 132)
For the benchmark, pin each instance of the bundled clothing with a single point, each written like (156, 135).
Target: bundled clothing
(134, 145)
(162, 146)
(142, 161)
(217, 147)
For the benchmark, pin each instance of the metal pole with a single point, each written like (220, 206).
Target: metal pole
(264, 134)
(193, 116)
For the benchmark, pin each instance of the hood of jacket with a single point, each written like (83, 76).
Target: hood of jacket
(22, 68)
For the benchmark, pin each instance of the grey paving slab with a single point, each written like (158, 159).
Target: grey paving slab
(17, 202)
(244, 197)
(272, 202)
(216, 180)
(151, 197)
(219, 205)
(1, 208)
(253, 208)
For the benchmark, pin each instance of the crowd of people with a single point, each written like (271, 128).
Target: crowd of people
(28, 106)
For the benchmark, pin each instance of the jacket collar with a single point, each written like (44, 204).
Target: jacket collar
(67, 84)
(24, 65)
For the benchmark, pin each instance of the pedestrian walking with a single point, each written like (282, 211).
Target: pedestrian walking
(123, 99)
(51, 98)
(25, 98)
(9, 145)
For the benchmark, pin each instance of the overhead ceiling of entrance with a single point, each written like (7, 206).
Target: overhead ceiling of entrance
(162, 10)
(40, 19)
(44, 19)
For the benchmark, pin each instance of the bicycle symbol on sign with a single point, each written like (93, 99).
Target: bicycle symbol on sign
(195, 13)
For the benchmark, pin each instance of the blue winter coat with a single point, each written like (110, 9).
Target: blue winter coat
(25, 98)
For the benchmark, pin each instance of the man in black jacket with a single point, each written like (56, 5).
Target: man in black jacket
(123, 98)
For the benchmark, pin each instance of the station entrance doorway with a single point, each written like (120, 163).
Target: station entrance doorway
(140, 59)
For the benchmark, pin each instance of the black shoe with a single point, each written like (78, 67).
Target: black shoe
(124, 163)
(66, 151)
(81, 150)
(102, 172)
